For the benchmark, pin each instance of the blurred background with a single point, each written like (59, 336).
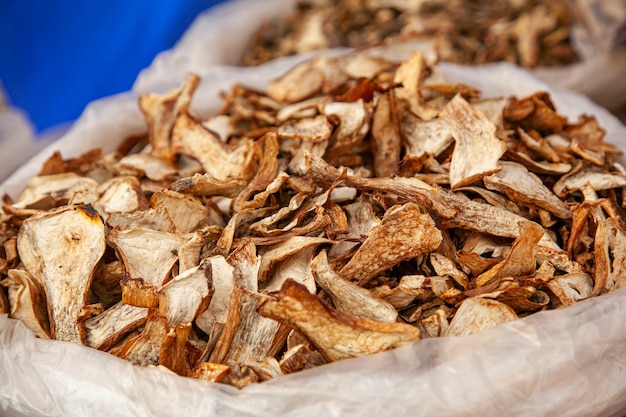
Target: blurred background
(55, 57)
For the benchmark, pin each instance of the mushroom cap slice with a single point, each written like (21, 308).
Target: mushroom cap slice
(61, 249)
(524, 187)
(477, 313)
(337, 335)
(404, 233)
(477, 149)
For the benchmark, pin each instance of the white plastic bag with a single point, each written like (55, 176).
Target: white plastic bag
(569, 362)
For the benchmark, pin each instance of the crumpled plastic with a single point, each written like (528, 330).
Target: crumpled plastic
(568, 362)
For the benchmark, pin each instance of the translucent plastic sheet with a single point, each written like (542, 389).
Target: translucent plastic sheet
(569, 362)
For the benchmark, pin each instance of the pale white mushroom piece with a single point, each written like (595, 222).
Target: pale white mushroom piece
(141, 164)
(120, 195)
(425, 137)
(349, 297)
(61, 249)
(477, 150)
(155, 219)
(189, 252)
(297, 164)
(267, 369)
(541, 167)
(571, 288)
(27, 299)
(223, 279)
(296, 267)
(186, 212)
(435, 325)
(107, 328)
(266, 224)
(301, 109)
(314, 129)
(609, 256)
(220, 160)
(207, 185)
(310, 35)
(353, 122)
(446, 267)
(366, 66)
(247, 336)
(55, 187)
(222, 125)
(245, 263)
(337, 335)
(598, 180)
(477, 313)
(411, 288)
(181, 298)
(147, 254)
(299, 83)
(273, 254)
(524, 187)
(410, 74)
(300, 357)
(161, 112)
(492, 108)
(404, 233)
(361, 219)
(331, 68)
(145, 349)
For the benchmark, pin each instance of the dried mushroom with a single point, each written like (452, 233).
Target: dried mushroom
(343, 212)
(529, 33)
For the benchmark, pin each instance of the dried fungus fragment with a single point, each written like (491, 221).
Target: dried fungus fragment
(109, 327)
(61, 249)
(476, 314)
(146, 254)
(27, 299)
(404, 233)
(477, 150)
(526, 188)
(161, 113)
(44, 192)
(184, 296)
(349, 297)
(337, 335)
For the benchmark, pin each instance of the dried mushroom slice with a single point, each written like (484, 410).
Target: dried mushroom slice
(61, 249)
(411, 74)
(337, 335)
(349, 297)
(526, 188)
(161, 113)
(404, 233)
(27, 298)
(223, 282)
(120, 195)
(571, 288)
(221, 161)
(247, 336)
(184, 297)
(477, 150)
(147, 254)
(430, 137)
(186, 212)
(476, 314)
(110, 326)
(142, 164)
(145, 348)
(44, 192)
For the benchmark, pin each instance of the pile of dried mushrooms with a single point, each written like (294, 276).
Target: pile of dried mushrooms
(530, 33)
(355, 206)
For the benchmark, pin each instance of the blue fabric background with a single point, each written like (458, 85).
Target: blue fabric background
(57, 56)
